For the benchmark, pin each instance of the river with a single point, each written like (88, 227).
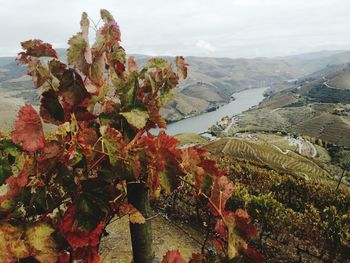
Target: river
(243, 101)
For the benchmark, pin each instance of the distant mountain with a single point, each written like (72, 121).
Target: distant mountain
(211, 81)
(319, 108)
(311, 62)
(6, 60)
(214, 80)
(314, 66)
(313, 55)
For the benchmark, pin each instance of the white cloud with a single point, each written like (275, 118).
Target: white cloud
(231, 28)
(205, 45)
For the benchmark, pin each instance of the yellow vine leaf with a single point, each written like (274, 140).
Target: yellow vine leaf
(136, 118)
(12, 246)
(235, 241)
(137, 218)
(42, 243)
(6, 205)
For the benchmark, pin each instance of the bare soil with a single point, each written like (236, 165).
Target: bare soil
(116, 247)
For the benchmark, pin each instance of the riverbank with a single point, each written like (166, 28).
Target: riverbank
(244, 100)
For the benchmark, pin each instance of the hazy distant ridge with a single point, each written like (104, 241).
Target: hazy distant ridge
(211, 81)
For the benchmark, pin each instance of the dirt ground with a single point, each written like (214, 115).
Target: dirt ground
(116, 247)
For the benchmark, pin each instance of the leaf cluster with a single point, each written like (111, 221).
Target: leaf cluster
(61, 191)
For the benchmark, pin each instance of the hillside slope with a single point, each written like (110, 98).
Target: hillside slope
(320, 109)
(210, 83)
(287, 162)
(302, 215)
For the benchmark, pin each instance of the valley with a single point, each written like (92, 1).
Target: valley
(211, 83)
(289, 157)
(175, 131)
(281, 134)
(314, 109)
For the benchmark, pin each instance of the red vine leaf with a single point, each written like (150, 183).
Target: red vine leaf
(111, 34)
(28, 131)
(72, 89)
(125, 208)
(39, 72)
(57, 68)
(87, 138)
(84, 244)
(222, 190)
(137, 167)
(220, 228)
(51, 153)
(195, 161)
(173, 256)
(119, 67)
(16, 183)
(162, 160)
(36, 48)
(64, 257)
(243, 224)
(236, 229)
(156, 117)
(51, 110)
(153, 180)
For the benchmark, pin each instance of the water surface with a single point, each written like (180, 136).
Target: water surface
(244, 100)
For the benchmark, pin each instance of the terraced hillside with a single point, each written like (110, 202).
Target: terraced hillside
(287, 162)
(291, 197)
(315, 109)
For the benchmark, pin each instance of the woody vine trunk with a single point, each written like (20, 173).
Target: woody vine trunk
(141, 234)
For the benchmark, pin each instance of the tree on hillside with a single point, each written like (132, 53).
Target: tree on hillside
(59, 191)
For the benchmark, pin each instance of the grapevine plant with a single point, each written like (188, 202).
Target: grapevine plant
(60, 189)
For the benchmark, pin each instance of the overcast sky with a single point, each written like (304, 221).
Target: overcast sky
(225, 28)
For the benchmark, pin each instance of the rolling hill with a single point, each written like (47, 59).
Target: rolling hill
(287, 162)
(211, 81)
(319, 109)
(315, 61)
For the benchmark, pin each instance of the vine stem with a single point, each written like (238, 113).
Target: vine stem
(97, 162)
(137, 136)
(57, 205)
(106, 154)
